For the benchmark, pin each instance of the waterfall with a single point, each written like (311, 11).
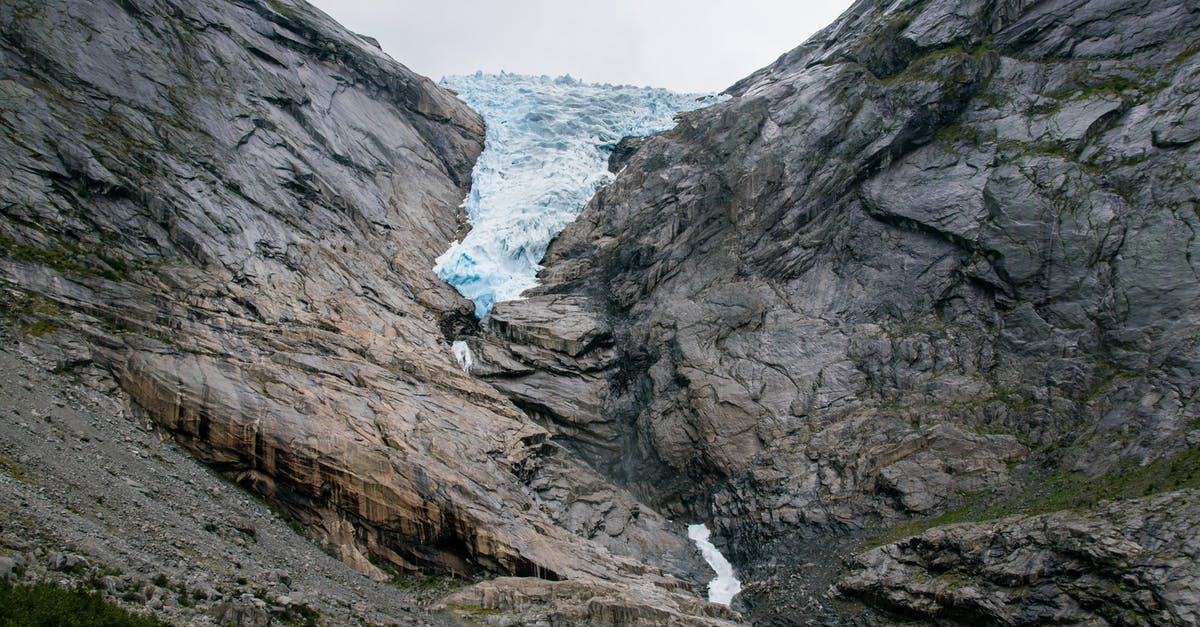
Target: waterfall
(725, 585)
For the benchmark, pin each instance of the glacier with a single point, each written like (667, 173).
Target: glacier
(545, 155)
(725, 585)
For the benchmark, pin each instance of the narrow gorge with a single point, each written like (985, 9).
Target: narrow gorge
(908, 319)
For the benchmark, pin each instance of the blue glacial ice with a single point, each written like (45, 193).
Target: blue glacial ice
(546, 154)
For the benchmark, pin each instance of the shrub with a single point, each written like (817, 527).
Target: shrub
(47, 605)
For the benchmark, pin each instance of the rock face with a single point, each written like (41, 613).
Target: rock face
(93, 497)
(940, 252)
(530, 601)
(233, 208)
(1126, 562)
(941, 249)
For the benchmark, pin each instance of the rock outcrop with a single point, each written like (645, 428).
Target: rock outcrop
(233, 207)
(941, 249)
(529, 601)
(1124, 562)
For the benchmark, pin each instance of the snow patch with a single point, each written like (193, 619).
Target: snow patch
(724, 586)
(545, 155)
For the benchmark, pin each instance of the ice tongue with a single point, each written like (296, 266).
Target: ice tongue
(548, 142)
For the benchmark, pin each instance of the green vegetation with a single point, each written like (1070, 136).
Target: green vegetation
(1184, 56)
(955, 133)
(1064, 490)
(36, 304)
(30, 313)
(96, 577)
(185, 599)
(283, 9)
(131, 591)
(13, 468)
(1012, 399)
(473, 613)
(68, 259)
(39, 328)
(421, 582)
(300, 616)
(1115, 86)
(922, 66)
(423, 585)
(47, 605)
(27, 10)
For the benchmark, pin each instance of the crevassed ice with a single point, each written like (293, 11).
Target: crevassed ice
(546, 153)
(725, 585)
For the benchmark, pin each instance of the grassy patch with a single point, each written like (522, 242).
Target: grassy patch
(1111, 86)
(47, 605)
(300, 616)
(17, 471)
(1012, 399)
(1184, 56)
(1063, 490)
(882, 51)
(96, 578)
(69, 259)
(421, 583)
(30, 313)
(943, 65)
(1085, 84)
(39, 328)
(283, 9)
(957, 133)
(473, 612)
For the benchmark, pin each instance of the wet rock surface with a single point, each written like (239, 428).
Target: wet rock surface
(938, 251)
(229, 211)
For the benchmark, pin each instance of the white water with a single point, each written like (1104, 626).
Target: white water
(462, 353)
(725, 585)
(546, 153)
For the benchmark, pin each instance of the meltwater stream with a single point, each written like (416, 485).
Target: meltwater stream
(546, 153)
(725, 585)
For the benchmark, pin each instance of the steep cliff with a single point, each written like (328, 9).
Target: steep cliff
(933, 264)
(231, 210)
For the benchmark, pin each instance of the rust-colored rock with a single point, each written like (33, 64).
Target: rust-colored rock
(235, 207)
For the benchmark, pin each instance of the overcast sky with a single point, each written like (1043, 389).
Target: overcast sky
(685, 45)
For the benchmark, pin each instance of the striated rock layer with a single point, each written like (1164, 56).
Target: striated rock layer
(232, 207)
(941, 249)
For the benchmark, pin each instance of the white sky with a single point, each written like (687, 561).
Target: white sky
(685, 45)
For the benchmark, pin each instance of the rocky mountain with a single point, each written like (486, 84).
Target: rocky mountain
(909, 318)
(226, 213)
(937, 264)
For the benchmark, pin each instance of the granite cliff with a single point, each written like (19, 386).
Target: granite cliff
(938, 264)
(910, 318)
(226, 214)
